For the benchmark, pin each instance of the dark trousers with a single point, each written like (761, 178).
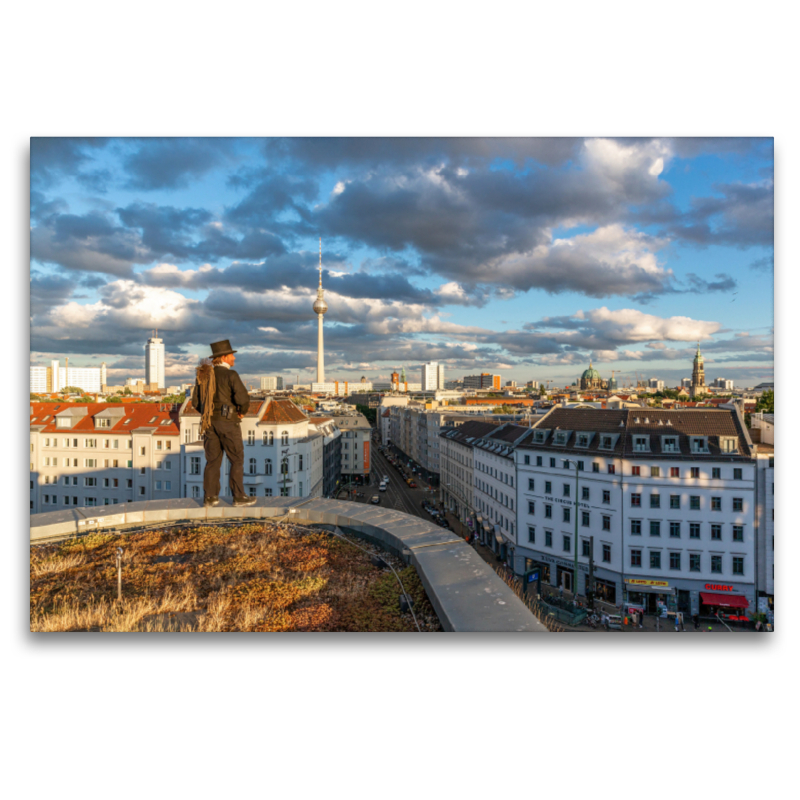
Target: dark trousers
(224, 436)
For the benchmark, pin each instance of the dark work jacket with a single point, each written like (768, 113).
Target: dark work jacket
(230, 391)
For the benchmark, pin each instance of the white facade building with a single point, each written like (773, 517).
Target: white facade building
(272, 384)
(154, 368)
(432, 376)
(668, 497)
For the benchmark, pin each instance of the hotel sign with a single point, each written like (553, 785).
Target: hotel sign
(640, 582)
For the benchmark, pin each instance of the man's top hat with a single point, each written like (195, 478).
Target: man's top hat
(222, 348)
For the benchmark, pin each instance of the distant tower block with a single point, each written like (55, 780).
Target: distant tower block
(320, 307)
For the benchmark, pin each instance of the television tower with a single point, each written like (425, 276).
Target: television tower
(320, 307)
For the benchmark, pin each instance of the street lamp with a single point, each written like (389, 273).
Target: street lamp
(575, 572)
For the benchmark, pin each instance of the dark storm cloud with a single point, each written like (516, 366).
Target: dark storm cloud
(174, 163)
(50, 290)
(53, 158)
(89, 242)
(42, 207)
(165, 230)
(270, 193)
(328, 153)
(743, 216)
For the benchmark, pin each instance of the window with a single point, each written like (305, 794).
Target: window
(674, 560)
(636, 470)
(284, 466)
(90, 481)
(565, 492)
(300, 465)
(636, 527)
(655, 527)
(531, 507)
(694, 530)
(538, 461)
(636, 558)
(715, 472)
(267, 438)
(526, 459)
(251, 490)
(548, 538)
(268, 492)
(565, 544)
(284, 492)
(158, 485)
(143, 470)
(284, 437)
(530, 484)
(168, 486)
(142, 451)
(606, 523)
(159, 444)
(640, 443)
(738, 565)
(585, 548)
(167, 464)
(738, 504)
(129, 482)
(694, 503)
(548, 511)
(194, 465)
(694, 562)
(716, 532)
(737, 474)
(595, 467)
(670, 444)
(699, 444)
(141, 490)
(168, 445)
(655, 559)
(565, 514)
(585, 519)
(565, 463)
(716, 563)
(584, 493)
(607, 553)
(611, 469)
(90, 501)
(548, 487)
(675, 530)
(580, 466)
(636, 500)
(552, 463)
(655, 501)
(674, 501)
(695, 472)
(738, 533)
(531, 534)
(251, 437)
(655, 472)
(253, 467)
(727, 445)
(90, 442)
(674, 472)
(716, 504)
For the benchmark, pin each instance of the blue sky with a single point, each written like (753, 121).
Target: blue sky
(527, 257)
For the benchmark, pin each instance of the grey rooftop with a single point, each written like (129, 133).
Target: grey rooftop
(464, 590)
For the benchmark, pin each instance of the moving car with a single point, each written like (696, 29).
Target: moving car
(375, 499)
(382, 487)
(412, 485)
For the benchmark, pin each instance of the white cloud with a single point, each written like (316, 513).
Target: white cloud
(630, 325)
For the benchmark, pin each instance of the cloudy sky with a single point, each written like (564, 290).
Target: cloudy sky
(527, 257)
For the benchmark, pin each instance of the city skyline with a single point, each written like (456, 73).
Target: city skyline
(525, 257)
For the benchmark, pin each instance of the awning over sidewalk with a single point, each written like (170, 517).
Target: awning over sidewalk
(723, 600)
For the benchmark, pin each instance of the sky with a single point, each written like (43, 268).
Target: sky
(528, 257)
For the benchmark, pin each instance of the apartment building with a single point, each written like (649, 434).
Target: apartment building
(665, 499)
(483, 381)
(283, 452)
(94, 454)
(331, 452)
(456, 460)
(356, 443)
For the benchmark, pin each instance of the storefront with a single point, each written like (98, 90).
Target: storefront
(544, 569)
(564, 577)
(720, 600)
(605, 590)
(649, 596)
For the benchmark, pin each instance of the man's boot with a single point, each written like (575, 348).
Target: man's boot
(211, 500)
(244, 501)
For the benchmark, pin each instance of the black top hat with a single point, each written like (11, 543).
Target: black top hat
(222, 348)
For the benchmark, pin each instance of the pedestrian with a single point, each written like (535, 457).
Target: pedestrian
(561, 591)
(641, 618)
(222, 400)
(677, 623)
(696, 621)
(680, 616)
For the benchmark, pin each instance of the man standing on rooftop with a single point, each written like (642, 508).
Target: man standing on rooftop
(222, 400)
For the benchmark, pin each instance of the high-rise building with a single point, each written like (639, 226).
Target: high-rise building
(154, 362)
(432, 376)
(483, 381)
(272, 384)
(55, 378)
(320, 307)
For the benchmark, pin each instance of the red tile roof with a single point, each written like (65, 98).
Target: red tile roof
(137, 415)
(283, 411)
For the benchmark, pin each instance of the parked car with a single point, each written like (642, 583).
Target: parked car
(412, 485)
(382, 487)
(375, 499)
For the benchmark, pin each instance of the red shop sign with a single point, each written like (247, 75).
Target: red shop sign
(718, 587)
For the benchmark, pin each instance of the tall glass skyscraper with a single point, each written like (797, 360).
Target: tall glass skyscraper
(154, 362)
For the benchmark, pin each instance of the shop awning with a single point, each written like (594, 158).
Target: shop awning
(723, 600)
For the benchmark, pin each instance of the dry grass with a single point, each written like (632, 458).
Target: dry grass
(253, 577)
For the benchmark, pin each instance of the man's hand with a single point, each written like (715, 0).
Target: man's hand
(241, 416)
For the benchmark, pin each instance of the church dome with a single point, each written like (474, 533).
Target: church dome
(590, 374)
